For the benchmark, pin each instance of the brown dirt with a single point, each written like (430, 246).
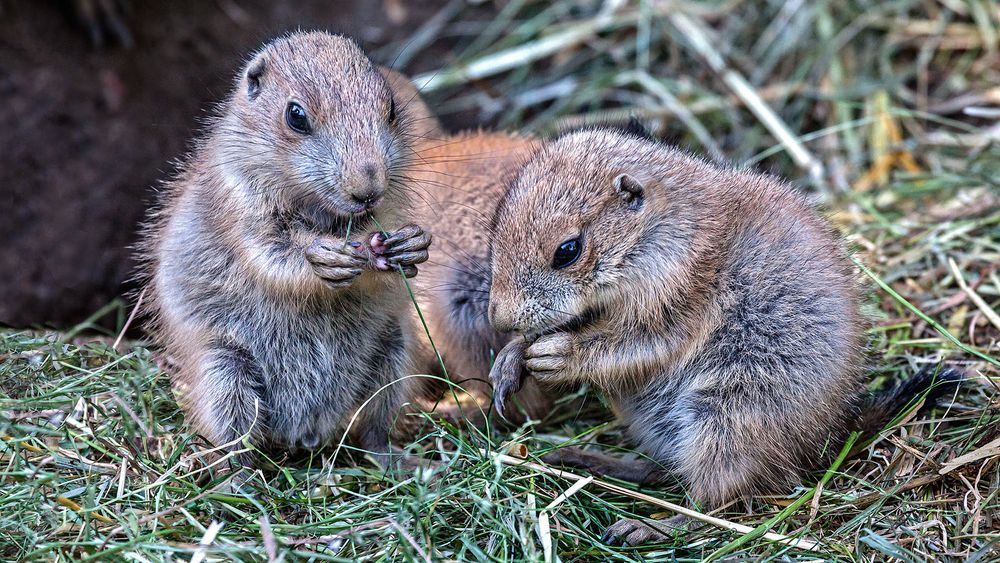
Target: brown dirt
(88, 132)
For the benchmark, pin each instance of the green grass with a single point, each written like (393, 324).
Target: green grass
(96, 462)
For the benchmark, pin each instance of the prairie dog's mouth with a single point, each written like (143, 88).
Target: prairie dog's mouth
(332, 220)
(571, 325)
(353, 224)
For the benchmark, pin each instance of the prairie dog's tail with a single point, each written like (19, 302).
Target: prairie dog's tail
(930, 384)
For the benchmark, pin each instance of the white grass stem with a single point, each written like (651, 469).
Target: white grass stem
(981, 303)
(717, 522)
(521, 55)
(206, 540)
(699, 41)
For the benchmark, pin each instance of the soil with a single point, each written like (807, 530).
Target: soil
(87, 132)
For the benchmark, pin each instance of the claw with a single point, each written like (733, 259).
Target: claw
(378, 243)
(499, 406)
(630, 532)
(408, 258)
(500, 397)
(405, 232)
(507, 374)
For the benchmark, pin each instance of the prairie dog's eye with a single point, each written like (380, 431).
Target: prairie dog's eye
(567, 253)
(392, 110)
(296, 118)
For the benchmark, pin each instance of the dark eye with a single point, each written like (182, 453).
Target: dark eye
(295, 117)
(392, 111)
(567, 253)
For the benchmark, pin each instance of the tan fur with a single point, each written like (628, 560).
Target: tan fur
(716, 310)
(457, 182)
(274, 326)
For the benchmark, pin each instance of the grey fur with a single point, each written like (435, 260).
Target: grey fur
(278, 325)
(716, 310)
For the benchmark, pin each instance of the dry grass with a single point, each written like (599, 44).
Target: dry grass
(888, 111)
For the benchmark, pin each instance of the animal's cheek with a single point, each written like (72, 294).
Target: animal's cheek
(394, 145)
(588, 266)
(504, 283)
(499, 290)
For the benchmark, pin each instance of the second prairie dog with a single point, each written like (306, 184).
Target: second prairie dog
(714, 308)
(272, 294)
(457, 182)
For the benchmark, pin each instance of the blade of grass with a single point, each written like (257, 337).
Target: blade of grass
(920, 314)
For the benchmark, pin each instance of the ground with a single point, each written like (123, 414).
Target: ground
(886, 112)
(89, 132)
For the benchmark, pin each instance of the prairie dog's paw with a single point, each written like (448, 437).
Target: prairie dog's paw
(548, 358)
(404, 249)
(632, 532)
(507, 373)
(335, 262)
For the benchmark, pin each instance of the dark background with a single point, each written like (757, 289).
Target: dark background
(89, 130)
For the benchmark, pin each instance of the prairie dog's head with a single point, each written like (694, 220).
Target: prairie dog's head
(592, 217)
(313, 125)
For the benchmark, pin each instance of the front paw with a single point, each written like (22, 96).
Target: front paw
(550, 357)
(507, 373)
(335, 262)
(404, 249)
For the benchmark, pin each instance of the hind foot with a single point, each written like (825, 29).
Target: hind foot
(634, 532)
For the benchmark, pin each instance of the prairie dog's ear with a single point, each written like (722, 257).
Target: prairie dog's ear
(635, 128)
(254, 72)
(629, 189)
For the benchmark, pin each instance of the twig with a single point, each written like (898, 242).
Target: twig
(409, 539)
(523, 54)
(979, 301)
(697, 107)
(717, 522)
(128, 322)
(868, 500)
(426, 34)
(206, 541)
(157, 515)
(916, 311)
(698, 40)
(270, 543)
(675, 106)
(988, 450)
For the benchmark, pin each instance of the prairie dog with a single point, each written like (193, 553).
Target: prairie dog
(457, 182)
(715, 309)
(271, 289)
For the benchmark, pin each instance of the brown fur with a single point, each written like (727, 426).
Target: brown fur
(714, 307)
(457, 182)
(276, 327)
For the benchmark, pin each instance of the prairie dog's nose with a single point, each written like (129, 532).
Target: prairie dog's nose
(501, 319)
(369, 187)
